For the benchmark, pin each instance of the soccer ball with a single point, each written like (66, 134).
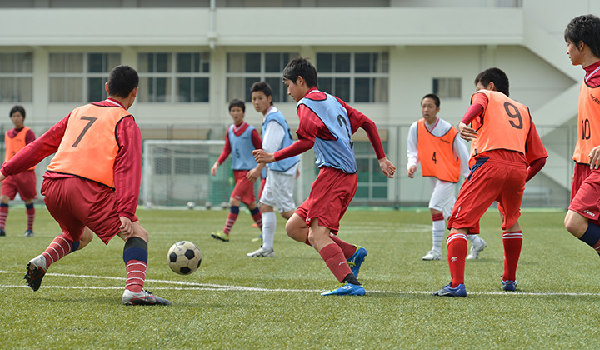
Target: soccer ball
(184, 257)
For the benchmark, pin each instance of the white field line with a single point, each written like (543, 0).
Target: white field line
(179, 285)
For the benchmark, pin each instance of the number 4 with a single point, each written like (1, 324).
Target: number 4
(91, 121)
(434, 158)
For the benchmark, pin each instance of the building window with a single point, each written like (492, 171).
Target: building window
(80, 77)
(354, 76)
(16, 77)
(174, 76)
(246, 68)
(447, 87)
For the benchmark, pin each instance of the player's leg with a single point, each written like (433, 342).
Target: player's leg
(27, 189)
(297, 229)
(512, 241)
(256, 213)
(582, 217)
(9, 191)
(234, 211)
(30, 212)
(269, 225)
(442, 195)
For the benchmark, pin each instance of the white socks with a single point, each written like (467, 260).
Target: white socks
(437, 235)
(269, 224)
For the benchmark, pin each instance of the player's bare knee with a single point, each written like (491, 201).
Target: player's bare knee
(575, 224)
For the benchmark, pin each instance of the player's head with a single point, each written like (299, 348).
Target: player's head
(262, 96)
(17, 116)
(237, 110)
(430, 107)
(17, 109)
(584, 30)
(299, 76)
(122, 80)
(493, 79)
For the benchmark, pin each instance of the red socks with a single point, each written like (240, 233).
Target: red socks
(335, 260)
(512, 242)
(457, 254)
(136, 275)
(30, 210)
(347, 249)
(57, 250)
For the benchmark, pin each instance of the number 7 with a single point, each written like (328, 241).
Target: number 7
(91, 121)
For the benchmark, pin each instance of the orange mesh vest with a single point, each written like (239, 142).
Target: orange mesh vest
(504, 125)
(89, 146)
(15, 144)
(435, 154)
(588, 123)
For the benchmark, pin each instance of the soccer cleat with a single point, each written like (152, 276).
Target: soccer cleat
(28, 233)
(448, 291)
(476, 249)
(220, 236)
(143, 298)
(257, 238)
(255, 225)
(36, 269)
(2, 232)
(432, 255)
(262, 253)
(348, 289)
(509, 286)
(356, 260)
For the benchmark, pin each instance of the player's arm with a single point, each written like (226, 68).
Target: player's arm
(29, 137)
(224, 154)
(477, 108)
(461, 152)
(36, 151)
(536, 152)
(411, 151)
(128, 168)
(272, 140)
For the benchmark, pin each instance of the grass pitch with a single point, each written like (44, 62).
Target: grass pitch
(236, 302)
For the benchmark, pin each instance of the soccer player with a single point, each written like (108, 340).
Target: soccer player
(281, 176)
(92, 183)
(583, 47)
(326, 125)
(240, 139)
(433, 142)
(503, 130)
(24, 183)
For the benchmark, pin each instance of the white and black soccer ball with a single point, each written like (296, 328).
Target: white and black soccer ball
(184, 257)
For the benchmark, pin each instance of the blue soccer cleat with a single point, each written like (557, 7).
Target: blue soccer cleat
(509, 286)
(356, 260)
(448, 291)
(348, 289)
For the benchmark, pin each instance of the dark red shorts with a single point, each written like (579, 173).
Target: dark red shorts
(493, 180)
(24, 184)
(76, 203)
(585, 192)
(329, 198)
(244, 188)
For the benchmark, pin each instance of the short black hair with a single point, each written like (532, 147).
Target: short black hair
(237, 103)
(301, 67)
(494, 75)
(264, 87)
(434, 97)
(15, 109)
(584, 29)
(122, 80)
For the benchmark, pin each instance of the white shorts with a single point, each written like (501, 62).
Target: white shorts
(279, 191)
(442, 198)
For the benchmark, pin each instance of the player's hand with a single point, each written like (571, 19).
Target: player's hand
(213, 170)
(387, 167)
(126, 228)
(466, 132)
(253, 175)
(298, 173)
(411, 171)
(260, 156)
(595, 158)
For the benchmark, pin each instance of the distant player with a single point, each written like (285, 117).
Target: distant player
(25, 183)
(93, 183)
(433, 142)
(281, 176)
(326, 125)
(503, 131)
(583, 47)
(240, 139)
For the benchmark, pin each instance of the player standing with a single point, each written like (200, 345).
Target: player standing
(503, 130)
(24, 183)
(326, 125)
(281, 176)
(240, 139)
(583, 47)
(93, 182)
(433, 142)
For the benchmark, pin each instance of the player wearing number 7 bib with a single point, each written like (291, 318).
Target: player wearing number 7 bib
(503, 130)
(433, 142)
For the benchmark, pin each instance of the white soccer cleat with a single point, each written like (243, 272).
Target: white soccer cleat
(432, 255)
(143, 298)
(262, 253)
(476, 249)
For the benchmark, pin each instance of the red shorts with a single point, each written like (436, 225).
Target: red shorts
(585, 192)
(76, 203)
(329, 198)
(244, 188)
(23, 183)
(494, 180)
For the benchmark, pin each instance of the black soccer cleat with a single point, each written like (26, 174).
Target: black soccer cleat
(36, 269)
(143, 298)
